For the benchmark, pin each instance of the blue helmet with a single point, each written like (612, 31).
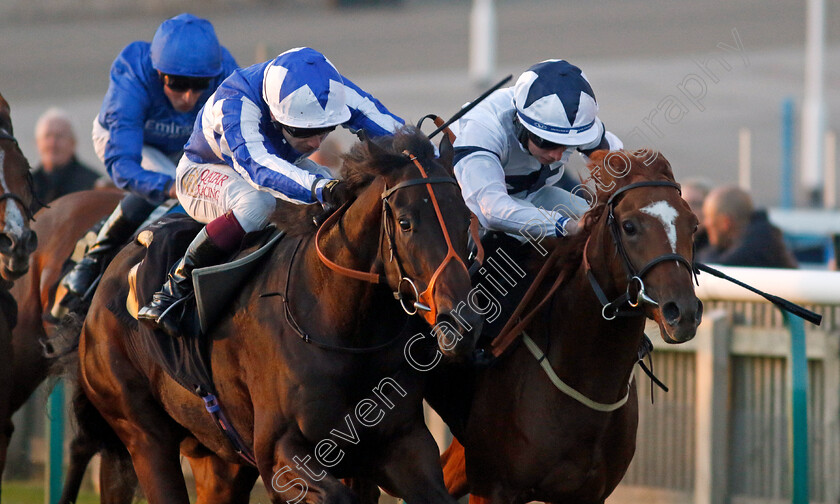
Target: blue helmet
(554, 101)
(187, 45)
(304, 90)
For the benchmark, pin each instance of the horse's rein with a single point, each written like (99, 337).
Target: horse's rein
(516, 325)
(423, 301)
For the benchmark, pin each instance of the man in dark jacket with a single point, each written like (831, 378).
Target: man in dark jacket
(740, 235)
(59, 172)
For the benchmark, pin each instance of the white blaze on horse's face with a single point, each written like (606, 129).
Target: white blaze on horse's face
(666, 214)
(14, 218)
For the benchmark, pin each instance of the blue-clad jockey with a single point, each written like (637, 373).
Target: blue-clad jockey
(153, 98)
(250, 146)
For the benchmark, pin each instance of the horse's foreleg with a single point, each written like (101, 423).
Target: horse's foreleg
(291, 474)
(117, 479)
(218, 482)
(121, 396)
(82, 449)
(6, 429)
(454, 465)
(367, 491)
(411, 468)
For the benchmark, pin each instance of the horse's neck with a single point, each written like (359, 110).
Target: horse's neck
(594, 354)
(342, 306)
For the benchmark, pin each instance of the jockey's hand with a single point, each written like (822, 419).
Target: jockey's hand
(570, 227)
(335, 193)
(172, 193)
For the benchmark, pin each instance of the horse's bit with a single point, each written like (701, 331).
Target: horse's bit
(422, 301)
(635, 294)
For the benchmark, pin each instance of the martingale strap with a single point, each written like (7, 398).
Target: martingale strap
(211, 404)
(567, 389)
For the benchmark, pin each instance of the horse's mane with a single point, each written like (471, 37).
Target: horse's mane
(622, 169)
(379, 156)
(366, 160)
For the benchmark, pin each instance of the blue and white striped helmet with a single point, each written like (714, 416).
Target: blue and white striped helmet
(186, 45)
(304, 90)
(554, 101)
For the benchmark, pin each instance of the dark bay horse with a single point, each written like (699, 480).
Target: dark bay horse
(347, 404)
(569, 438)
(17, 241)
(60, 227)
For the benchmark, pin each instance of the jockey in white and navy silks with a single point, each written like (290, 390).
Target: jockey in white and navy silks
(250, 146)
(155, 92)
(511, 149)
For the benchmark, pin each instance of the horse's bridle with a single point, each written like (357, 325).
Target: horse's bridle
(4, 135)
(610, 309)
(635, 294)
(422, 301)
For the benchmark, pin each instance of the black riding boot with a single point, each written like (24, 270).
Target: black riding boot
(201, 252)
(113, 235)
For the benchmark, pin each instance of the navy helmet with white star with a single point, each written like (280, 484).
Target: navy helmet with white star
(304, 90)
(554, 101)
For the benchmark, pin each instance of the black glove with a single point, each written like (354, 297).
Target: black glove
(335, 193)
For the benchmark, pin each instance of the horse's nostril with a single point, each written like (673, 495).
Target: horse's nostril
(671, 312)
(31, 241)
(6, 243)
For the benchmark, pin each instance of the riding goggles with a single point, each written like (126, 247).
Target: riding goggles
(305, 132)
(180, 83)
(542, 143)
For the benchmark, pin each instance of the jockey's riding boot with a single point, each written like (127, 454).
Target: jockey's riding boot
(116, 230)
(213, 245)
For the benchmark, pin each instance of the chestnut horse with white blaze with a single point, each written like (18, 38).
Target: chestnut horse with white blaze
(555, 418)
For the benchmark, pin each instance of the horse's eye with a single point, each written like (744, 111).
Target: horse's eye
(696, 227)
(405, 224)
(629, 228)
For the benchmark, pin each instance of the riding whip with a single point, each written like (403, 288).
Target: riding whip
(784, 304)
(469, 106)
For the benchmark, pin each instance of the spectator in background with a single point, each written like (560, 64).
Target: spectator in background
(740, 235)
(694, 192)
(59, 171)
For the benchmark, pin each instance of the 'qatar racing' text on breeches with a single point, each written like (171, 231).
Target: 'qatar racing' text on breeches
(208, 191)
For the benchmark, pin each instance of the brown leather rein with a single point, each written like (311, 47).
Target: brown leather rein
(423, 301)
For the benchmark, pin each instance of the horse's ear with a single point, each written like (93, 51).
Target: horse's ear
(447, 154)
